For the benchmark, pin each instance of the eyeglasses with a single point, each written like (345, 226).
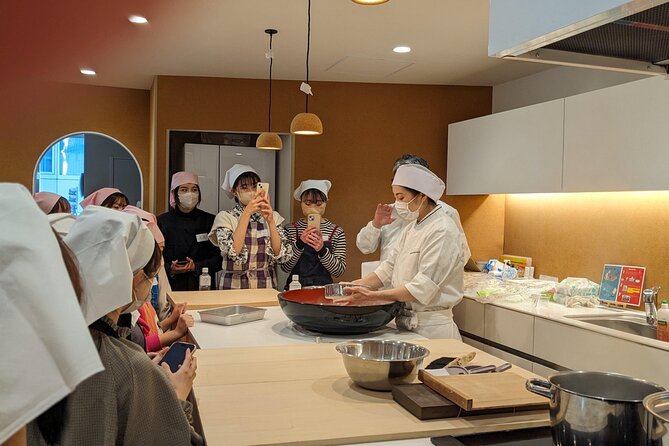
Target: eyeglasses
(313, 203)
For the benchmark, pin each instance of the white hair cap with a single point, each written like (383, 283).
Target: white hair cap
(419, 178)
(110, 246)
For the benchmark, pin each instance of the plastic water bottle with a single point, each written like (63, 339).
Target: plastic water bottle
(205, 280)
(295, 284)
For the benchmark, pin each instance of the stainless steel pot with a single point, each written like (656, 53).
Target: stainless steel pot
(596, 408)
(657, 418)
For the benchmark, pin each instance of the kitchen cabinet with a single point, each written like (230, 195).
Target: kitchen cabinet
(469, 316)
(511, 152)
(615, 138)
(510, 328)
(542, 371)
(581, 349)
(509, 357)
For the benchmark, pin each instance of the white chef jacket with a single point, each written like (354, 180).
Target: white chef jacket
(428, 260)
(369, 237)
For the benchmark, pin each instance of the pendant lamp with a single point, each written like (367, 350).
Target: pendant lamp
(269, 140)
(369, 2)
(307, 123)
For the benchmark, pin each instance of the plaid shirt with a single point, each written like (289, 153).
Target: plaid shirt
(255, 265)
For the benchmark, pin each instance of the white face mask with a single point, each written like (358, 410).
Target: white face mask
(188, 200)
(245, 197)
(403, 212)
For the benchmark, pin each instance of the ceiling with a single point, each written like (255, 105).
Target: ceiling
(52, 39)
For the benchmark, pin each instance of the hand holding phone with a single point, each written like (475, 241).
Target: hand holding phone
(264, 189)
(176, 354)
(314, 221)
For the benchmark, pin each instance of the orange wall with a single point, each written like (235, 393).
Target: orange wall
(367, 126)
(34, 115)
(576, 234)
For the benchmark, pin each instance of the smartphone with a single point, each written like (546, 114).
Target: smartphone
(314, 221)
(263, 187)
(182, 262)
(176, 354)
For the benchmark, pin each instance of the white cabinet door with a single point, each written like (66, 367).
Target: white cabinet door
(469, 316)
(615, 139)
(542, 371)
(510, 328)
(511, 152)
(580, 349)
(508, 357)
(203, 160)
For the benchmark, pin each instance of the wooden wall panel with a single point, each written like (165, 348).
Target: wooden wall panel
(367, 126)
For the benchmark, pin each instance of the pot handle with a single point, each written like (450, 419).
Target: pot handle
(539, 386)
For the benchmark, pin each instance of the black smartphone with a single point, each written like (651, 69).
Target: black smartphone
(176, 354)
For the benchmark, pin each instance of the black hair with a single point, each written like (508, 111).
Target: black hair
(245, 178)
(62, 205)
(313, 195)
(415, 192)
(113, 198)
(409, 158)
(153, 265)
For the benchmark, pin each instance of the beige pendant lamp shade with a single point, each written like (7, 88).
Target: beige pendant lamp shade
(307, 123)
(269, 140)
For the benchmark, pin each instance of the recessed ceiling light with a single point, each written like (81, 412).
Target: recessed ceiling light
(138, 19)
(369, 2)
(87, 72)
(239, 153)
(402, 49)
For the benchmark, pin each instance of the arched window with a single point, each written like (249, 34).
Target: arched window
(80, 163)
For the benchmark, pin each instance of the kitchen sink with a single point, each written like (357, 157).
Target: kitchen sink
(629, 323)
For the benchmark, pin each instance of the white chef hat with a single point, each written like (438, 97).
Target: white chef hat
(46, 347)
(110, 247)
(321, 185)
(231, 176)
(422, 179)
(61, 222)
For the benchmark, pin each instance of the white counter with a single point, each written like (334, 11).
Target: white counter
(276, 329)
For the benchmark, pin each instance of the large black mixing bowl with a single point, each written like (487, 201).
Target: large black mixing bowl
(310, 309)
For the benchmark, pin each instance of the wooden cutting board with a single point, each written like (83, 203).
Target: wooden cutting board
(485, 390)
(426, 404)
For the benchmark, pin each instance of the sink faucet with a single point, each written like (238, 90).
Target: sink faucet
(649, 296)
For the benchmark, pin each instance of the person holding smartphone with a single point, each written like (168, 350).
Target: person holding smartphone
(132, 401)
(249, 236)
(319, 245)
(185, 228)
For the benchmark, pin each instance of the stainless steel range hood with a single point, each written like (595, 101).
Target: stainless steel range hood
(618, 35)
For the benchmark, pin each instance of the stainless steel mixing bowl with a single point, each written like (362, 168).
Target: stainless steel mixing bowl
(379, 365)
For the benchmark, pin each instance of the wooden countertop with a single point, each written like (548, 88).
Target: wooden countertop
(301, 394)
(201, 300)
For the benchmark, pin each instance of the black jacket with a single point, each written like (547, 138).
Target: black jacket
(181, 231)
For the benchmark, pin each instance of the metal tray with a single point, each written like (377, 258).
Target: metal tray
(232, 315)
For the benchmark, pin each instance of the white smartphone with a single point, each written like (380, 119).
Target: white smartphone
(314, 221)
(263, 187)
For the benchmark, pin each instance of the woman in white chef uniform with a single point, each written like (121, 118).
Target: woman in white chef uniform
(384, 230)
(425, 268)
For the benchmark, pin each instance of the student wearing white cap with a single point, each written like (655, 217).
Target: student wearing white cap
(383, 231)
(46, 348)
(319, 254)
(250, 236)
(425, 269)
(132, 401)
(185, 228)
